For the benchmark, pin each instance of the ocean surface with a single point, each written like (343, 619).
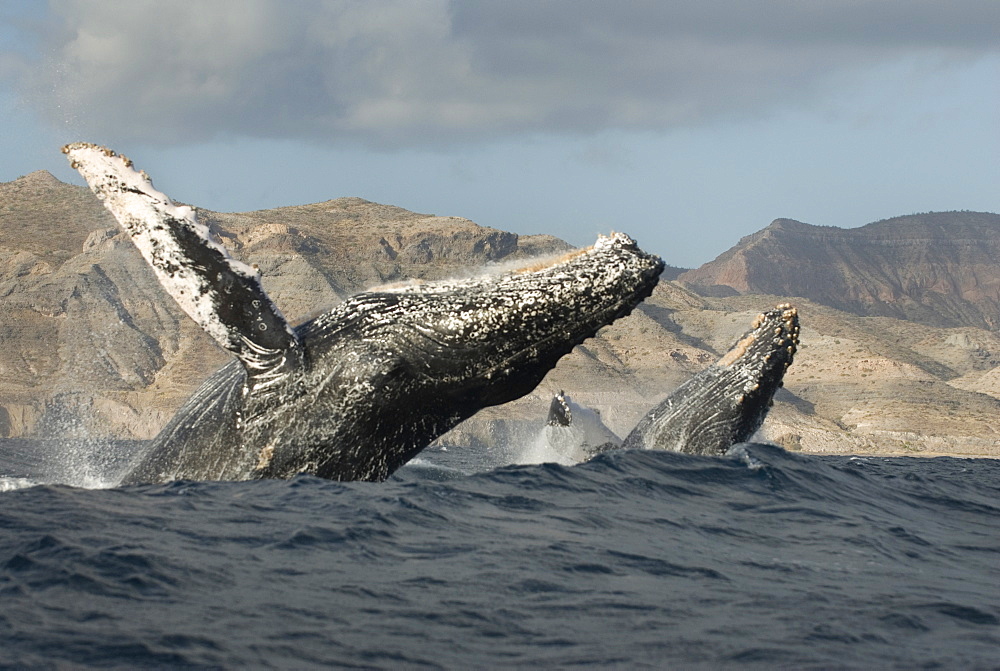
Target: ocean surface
(762, 559)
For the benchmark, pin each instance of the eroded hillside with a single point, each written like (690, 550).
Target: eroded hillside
(92, 345)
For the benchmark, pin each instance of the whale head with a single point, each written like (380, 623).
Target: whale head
(500, 335)
(728, 401)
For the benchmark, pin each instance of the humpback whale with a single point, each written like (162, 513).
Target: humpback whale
(560, 414)
(727, 402)
(572, 433)
(358, 391)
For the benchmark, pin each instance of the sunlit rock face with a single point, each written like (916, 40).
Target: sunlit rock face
(91, 345)
(937, 268)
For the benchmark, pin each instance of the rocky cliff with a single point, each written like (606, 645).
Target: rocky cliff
(938, 269)
(92, 346)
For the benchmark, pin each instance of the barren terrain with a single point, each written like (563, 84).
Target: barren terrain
(92, 346)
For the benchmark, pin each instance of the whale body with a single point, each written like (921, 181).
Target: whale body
(358, 391)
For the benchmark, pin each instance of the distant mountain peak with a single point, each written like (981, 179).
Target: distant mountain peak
(938, 268)
(38, 178)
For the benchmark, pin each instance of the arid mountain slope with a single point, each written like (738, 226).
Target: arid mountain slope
(92, 346)
(939, 269)
(92, 343)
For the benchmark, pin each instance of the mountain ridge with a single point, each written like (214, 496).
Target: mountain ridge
(92, 346)
(935, 268)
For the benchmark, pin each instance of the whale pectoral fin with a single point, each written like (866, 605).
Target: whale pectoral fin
(223, 295)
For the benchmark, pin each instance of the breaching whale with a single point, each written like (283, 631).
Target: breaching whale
(358, 391)
(571, 434)
(560, 414)
(725, 403)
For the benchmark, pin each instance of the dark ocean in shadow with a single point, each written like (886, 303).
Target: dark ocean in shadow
(764, 559)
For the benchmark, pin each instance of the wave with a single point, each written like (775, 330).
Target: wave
(763, 558)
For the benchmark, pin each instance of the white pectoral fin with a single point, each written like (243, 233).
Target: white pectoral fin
(223, 295)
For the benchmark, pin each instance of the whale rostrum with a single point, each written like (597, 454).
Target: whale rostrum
(358, 391)
(725, 403)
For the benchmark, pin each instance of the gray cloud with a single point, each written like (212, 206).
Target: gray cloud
(417, 72)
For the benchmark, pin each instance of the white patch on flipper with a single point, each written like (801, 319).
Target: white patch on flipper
(151, 220)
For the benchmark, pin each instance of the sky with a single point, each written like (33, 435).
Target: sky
(685, 124)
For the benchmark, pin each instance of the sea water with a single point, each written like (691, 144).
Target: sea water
(637, 559)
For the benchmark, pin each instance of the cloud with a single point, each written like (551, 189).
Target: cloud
(422, 72)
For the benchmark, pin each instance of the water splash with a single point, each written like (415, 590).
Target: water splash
(567, 444)
(10, 484)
